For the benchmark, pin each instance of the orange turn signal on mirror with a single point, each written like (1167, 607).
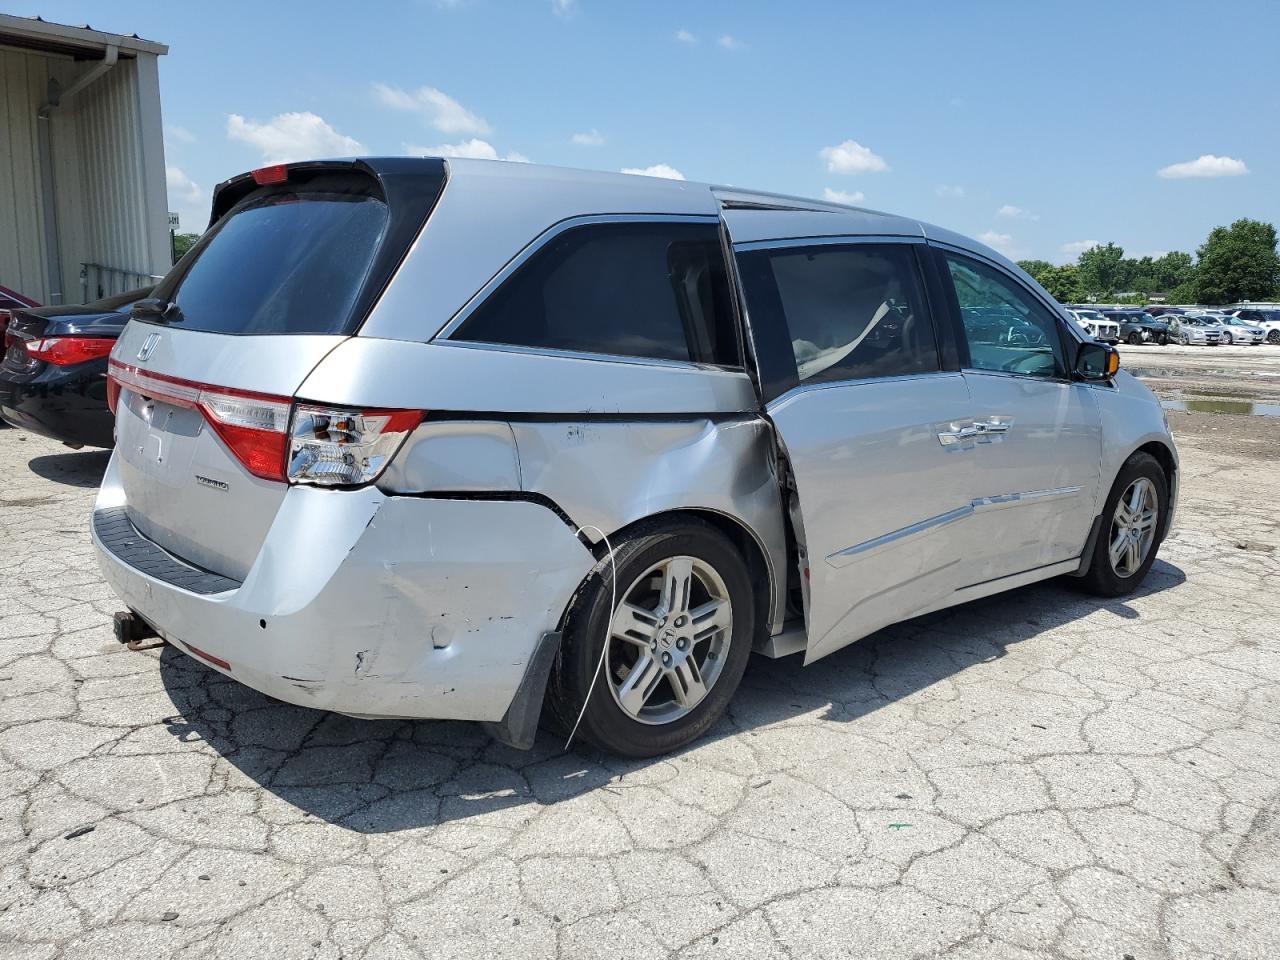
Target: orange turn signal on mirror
(1113, 362)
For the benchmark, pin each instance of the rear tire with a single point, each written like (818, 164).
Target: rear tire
(1135, 339)
(1122, 555)
(672, 714)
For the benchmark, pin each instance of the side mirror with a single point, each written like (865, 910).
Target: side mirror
(1097, 361)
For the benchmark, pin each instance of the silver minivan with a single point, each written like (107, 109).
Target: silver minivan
(467, 439)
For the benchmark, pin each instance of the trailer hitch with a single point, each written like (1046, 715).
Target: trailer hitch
(132, 630)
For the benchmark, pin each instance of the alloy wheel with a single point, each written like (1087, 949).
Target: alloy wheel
(668, 640)
(1133, 527)
(1273, 336)
(1226, 338)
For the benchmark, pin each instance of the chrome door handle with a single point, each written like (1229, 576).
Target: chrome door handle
(958, 433)
(994, 425)
(979, 431)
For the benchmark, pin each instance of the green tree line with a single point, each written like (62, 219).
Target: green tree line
(1234, 263)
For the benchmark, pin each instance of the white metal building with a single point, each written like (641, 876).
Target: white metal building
(83, 206)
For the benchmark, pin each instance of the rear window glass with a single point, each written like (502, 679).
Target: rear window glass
(282, 262)
(655, 290)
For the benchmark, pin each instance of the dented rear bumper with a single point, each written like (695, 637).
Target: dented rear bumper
(379, 606)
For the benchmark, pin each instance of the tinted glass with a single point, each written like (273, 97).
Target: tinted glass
(282, 263)
(852, 312)
(656, 290)
(1006, 328)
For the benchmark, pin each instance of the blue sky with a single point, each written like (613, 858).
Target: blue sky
(1037, 126)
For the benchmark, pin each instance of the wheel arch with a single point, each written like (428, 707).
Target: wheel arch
(747, 541)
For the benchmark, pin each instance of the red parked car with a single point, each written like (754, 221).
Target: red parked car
(12, 300)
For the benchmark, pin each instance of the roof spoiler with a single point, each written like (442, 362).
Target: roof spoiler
(392, 176)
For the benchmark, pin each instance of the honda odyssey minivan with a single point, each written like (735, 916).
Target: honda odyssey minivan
(464, 439)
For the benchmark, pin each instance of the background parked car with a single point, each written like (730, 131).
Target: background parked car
(11, 300)
(1098, 326)
(1235, 330)
(1267, 318)
(53, 378)
(1188, 330)
(1138, 327)
(1231, 331)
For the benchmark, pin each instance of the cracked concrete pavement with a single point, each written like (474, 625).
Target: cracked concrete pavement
(1040, 774)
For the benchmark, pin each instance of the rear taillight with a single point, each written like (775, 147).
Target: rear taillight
(341, 447)
(67, 351)
(324, 446)
(254, 426)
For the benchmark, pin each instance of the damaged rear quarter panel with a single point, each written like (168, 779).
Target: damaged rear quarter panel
(610, 473)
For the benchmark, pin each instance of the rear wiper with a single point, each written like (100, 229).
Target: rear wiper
(157, 310)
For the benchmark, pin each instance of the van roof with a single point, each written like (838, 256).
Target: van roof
(759, 214)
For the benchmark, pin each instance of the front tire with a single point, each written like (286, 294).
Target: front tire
(1226, 339)
(1133, 522)
(1273, 336)
(1135, 339)
(679, 639)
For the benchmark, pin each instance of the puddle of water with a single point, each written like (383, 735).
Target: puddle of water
(1182, 373)
(1247, 407)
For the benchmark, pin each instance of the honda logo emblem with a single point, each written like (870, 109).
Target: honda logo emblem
(148, 347)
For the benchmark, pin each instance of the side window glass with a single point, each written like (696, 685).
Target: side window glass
(851, 312)
(655, 290)
(1006, 328)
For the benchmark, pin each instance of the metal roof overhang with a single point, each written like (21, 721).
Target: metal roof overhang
(80, 43)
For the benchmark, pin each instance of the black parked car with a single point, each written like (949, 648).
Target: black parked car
(1138, 327)
(53, 378)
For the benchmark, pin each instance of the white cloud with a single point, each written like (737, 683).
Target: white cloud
(592, 138)
(684, 36)
(183, 191)
(1206, 165)
(950, 191)
(179, 134)
(292, 136)
(475, 149)
(1010, 212)
(843, 196)
(1076, 247)
(1002, 242)
(563, 8)
(852, 157)
(440, 110)
(663, 170)
(187, 199)
(729, 42)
